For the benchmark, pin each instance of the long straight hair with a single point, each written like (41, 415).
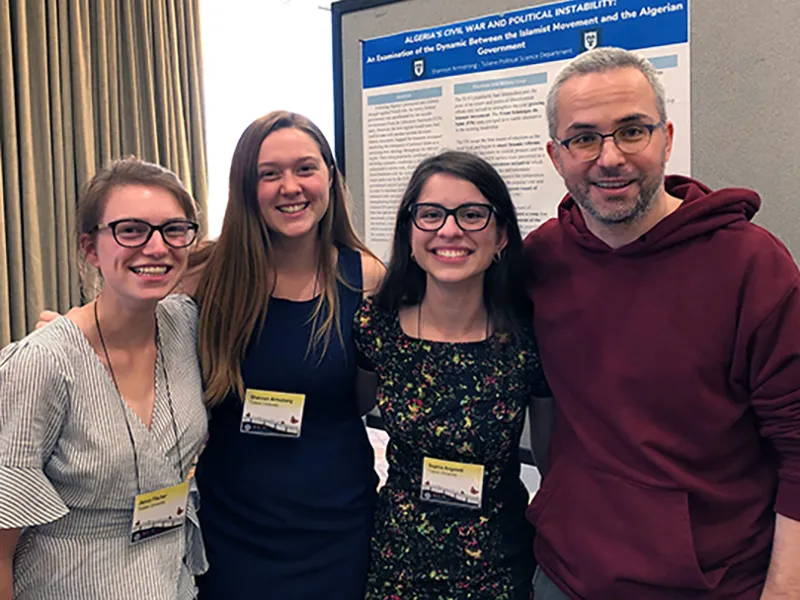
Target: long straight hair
(504, 293)
(234, 289)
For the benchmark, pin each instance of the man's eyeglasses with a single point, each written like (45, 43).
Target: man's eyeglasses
(630, 139)
(135, 233)
(428, 216)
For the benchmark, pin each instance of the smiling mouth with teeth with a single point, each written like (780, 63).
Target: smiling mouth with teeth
(150, 270)
(293, 208)
(451, 253)
(612, 185)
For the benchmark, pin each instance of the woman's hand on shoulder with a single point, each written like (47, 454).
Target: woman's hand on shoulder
(45, 317)
(372, 271)
(48, 316)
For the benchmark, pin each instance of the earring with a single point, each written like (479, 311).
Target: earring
(498, 256)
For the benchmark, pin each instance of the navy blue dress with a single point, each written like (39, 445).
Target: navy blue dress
(291, 518)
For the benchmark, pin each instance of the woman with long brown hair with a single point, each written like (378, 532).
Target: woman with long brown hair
(287, 478)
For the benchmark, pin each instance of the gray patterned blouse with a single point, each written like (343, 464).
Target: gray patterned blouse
(67, 465)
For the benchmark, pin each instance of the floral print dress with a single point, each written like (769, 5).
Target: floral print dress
(461, 402)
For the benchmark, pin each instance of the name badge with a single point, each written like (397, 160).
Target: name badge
(272, 413)
(159, 512)
(453, 483)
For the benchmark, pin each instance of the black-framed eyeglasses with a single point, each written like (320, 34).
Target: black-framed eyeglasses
(472, 216)
(135, 233)
(630, 139)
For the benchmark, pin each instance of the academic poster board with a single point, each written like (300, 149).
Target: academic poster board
(732, 93)
(480, 85)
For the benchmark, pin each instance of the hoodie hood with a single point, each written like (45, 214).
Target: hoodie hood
(702, 211)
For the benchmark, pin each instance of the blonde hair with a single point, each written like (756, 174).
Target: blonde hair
(233, 291)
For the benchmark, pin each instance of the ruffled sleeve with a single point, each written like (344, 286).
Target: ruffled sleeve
(33, 400)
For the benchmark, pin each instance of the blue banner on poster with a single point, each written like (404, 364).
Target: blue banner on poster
(530, 36)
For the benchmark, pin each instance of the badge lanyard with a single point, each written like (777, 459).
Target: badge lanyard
(159, 356)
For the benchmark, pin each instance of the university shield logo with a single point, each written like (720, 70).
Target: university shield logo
(418, 67)
(590, 39)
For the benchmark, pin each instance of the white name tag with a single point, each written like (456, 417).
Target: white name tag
(272, 413)
(453, 483)
(159, 512)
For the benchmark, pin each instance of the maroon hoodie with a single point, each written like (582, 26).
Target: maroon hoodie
(675, 364)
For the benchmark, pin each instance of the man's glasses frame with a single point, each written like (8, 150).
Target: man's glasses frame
(624, 146)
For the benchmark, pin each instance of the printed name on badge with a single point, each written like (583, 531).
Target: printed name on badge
(272, 413)
(159, 512)
(454, 483)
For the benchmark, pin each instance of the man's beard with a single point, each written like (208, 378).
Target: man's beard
(650, 186)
